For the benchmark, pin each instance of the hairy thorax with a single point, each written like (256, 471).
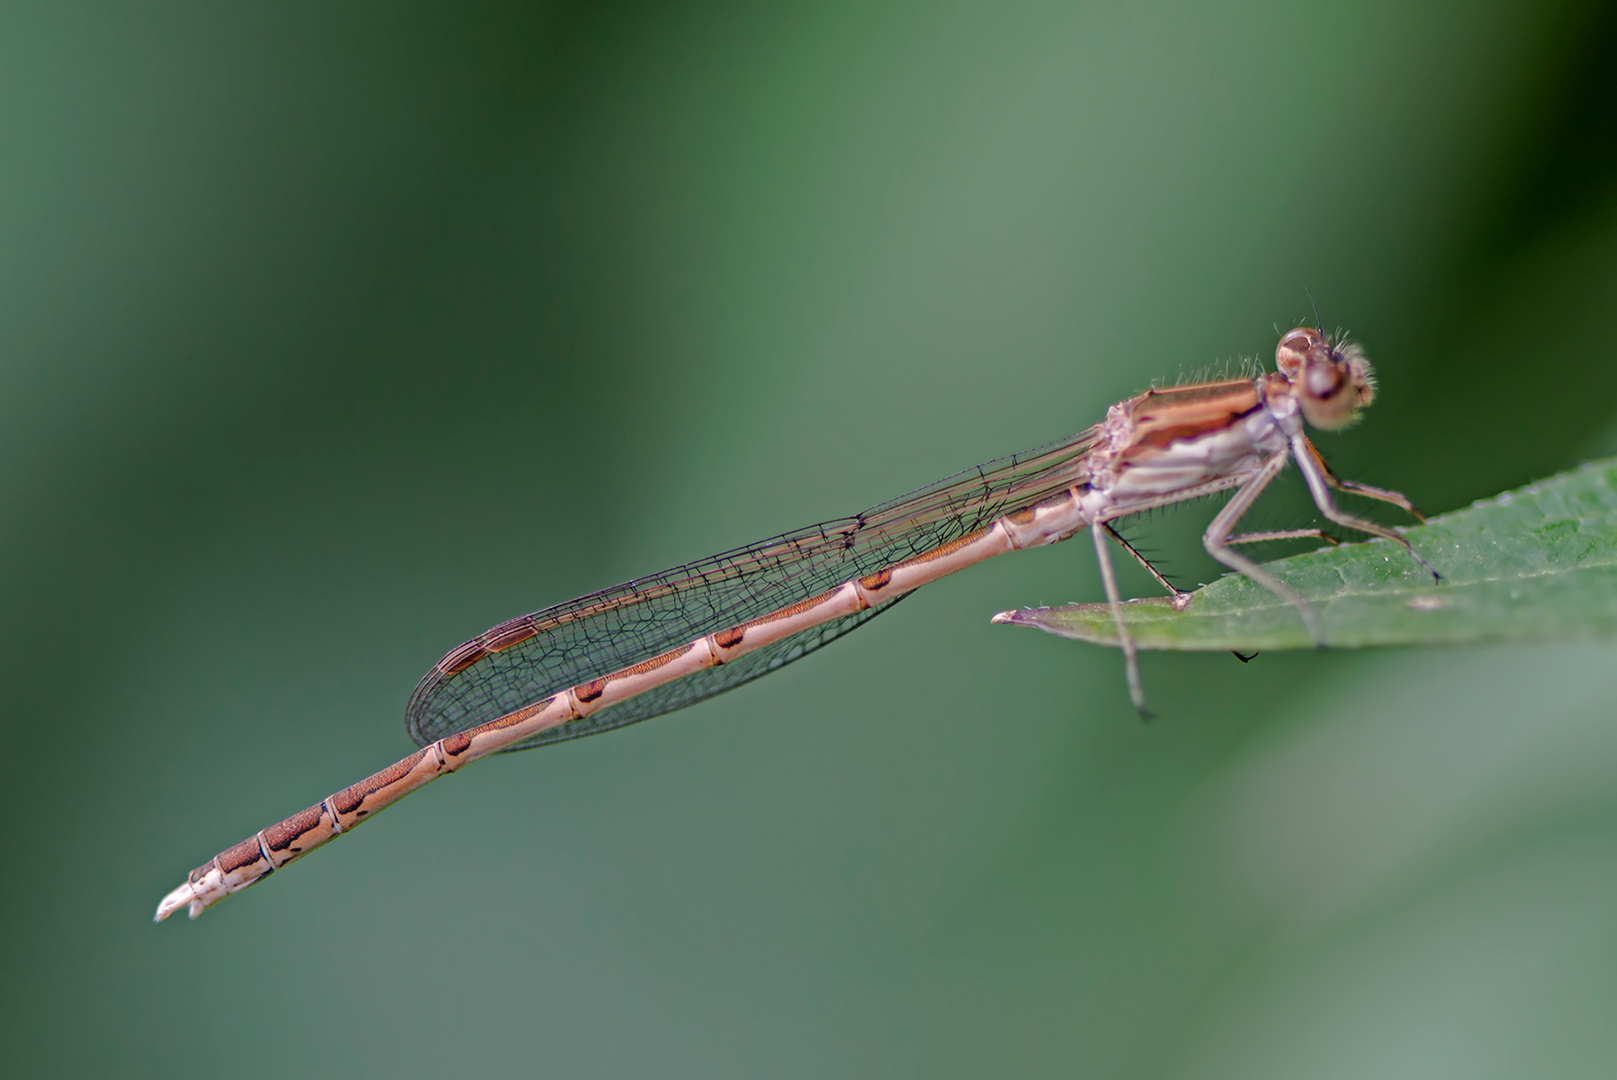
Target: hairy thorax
(1159, 444)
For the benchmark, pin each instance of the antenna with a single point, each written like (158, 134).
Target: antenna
(1317, 324)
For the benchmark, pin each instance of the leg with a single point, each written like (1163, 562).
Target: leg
(1355, 487)
(1319, 479)
(1131, 660)
(1216, 540)
(1283, 534)
(1262, 537)
(1180, 599)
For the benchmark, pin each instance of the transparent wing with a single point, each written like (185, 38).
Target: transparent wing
(524, 660)
(703, 684)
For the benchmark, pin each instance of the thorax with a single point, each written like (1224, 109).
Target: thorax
(1183, 438)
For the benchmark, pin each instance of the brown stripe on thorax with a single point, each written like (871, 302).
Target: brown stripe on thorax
(1158, 418)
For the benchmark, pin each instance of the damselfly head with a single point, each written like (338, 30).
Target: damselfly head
(1331, 382)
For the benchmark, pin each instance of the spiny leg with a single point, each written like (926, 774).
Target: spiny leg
(1180, 599)
(1309, 461)
(1216, 541)
(1131, 660)
(1356, 488)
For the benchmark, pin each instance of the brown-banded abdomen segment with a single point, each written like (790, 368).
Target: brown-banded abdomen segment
(452, 748)
(244, 863)
(663, 668)
(300, 833)
(513, 727)
(945, 559)
(786, 621)
(875, 583)
(358, 801)
(1053, 518)
(512, 719)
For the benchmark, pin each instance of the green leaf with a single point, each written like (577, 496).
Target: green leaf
(1537, 564)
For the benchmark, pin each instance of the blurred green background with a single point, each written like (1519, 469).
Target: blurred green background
(331, 335)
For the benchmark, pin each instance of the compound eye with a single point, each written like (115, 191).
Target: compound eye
(1333, 388)
(1294, 348)
(1324, 381)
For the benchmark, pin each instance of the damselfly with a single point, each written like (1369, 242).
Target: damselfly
(660, 643)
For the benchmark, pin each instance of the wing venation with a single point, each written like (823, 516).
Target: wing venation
(526, 659)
